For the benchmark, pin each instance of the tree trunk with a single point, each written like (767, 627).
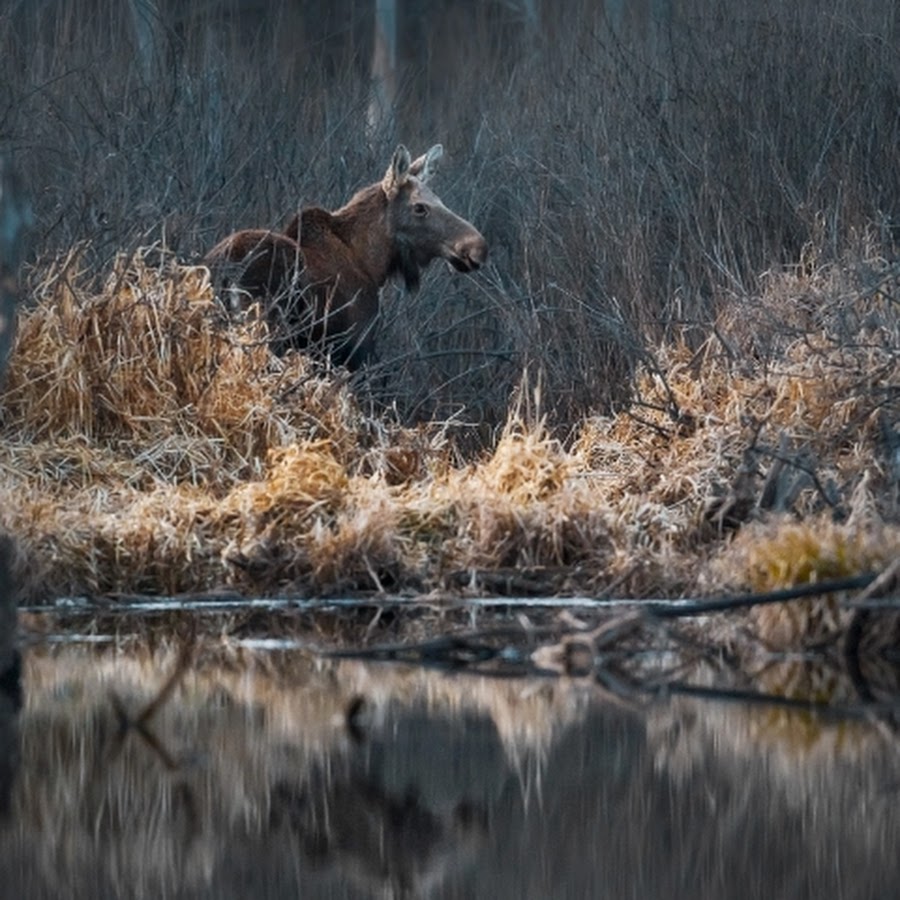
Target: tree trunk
(384, 66)
(145, 18)
(15, 219)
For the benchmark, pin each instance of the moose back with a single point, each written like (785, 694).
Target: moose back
(320, 279)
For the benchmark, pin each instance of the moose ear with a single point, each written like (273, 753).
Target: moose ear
(397, 173)
(425, 166)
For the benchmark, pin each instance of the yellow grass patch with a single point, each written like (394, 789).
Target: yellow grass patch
(784, 553)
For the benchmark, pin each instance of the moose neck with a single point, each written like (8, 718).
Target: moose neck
(362, 224)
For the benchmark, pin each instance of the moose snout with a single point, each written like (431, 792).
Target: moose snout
(470, 253)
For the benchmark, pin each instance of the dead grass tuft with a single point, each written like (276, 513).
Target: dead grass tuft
(784, 553)
(145, 364)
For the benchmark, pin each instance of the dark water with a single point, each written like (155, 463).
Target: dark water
(259, 773)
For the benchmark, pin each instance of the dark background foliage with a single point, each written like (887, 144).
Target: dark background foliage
(633, 166)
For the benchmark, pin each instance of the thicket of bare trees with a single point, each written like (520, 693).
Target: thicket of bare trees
(633, 166)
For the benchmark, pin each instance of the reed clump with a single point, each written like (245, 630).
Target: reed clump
(144, 362)
(783, 553)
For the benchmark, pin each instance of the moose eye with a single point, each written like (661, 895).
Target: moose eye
(420, 209)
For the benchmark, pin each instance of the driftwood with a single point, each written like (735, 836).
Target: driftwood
(609, 644)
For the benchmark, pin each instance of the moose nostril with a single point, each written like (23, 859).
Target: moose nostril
(478, 252)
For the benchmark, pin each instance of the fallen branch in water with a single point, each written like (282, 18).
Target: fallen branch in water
(685, 608)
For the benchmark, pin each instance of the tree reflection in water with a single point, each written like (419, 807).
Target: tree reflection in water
(271, 774)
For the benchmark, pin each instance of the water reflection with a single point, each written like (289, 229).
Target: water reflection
(238, 773)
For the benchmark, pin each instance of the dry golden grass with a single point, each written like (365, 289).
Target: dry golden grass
(144, 365)
(781, 553)
(150, 445)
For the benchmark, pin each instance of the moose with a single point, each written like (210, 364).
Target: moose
(319, 281)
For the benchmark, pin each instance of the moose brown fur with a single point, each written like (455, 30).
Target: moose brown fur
(320, 279)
